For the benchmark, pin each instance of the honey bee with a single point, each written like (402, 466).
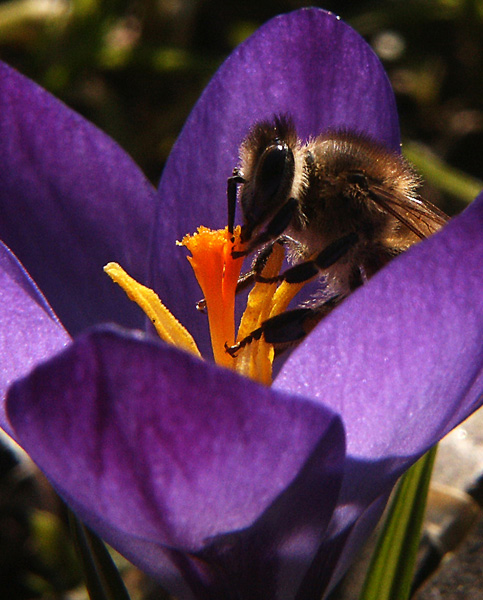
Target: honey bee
(341, 204)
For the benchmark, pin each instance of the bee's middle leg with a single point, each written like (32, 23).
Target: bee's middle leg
(308, 269)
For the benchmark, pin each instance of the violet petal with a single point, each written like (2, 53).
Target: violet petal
(164, 454)
(29, 331)
(70, 201)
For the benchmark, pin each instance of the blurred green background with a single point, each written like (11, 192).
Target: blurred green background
(135, 68)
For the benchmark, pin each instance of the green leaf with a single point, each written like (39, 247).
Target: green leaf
(101, 575)
(391, 570)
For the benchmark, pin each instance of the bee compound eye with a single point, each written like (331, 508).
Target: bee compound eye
(269, 188)
(274, 168)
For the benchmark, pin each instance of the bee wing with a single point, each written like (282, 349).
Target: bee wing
(418, 215)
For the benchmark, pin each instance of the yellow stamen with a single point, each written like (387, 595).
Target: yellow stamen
(217, 273)
(285, 293)
(255, 359)
(167, 326)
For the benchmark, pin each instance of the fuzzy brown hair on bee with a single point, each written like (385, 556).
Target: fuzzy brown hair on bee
(342, 204)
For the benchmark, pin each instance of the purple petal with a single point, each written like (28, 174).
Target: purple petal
(70, 201)
(166, 455)
(307, 63)
(29, 331)
(401, 360)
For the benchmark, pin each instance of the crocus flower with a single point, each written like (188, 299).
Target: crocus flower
(218, 486)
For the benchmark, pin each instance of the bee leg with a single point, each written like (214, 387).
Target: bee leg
(284, 328)
(231, 189)
(260, 261)
(310, 268)
(293, 325)
(288, 327)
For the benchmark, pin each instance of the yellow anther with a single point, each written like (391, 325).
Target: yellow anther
(167, 326)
